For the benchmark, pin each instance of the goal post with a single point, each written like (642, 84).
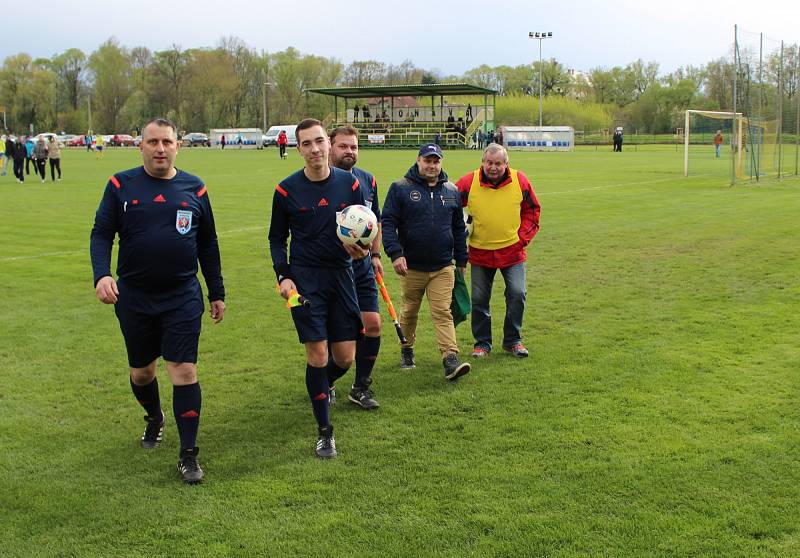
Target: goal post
(735, 135)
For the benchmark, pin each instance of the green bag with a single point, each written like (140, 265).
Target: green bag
(460, 306)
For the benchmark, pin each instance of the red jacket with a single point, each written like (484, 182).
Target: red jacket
(529, 222)
(282, 139)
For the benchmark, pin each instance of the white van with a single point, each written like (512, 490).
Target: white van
(271, 137)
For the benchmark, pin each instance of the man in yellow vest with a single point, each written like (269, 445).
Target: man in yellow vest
(505, 218)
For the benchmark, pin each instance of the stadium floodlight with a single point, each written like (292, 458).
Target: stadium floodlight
(540, 36)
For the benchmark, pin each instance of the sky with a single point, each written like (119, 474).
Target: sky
(448, 36)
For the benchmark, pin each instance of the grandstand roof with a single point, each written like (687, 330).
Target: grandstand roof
(419, 90)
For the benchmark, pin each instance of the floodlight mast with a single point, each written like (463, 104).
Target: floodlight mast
(540, 36)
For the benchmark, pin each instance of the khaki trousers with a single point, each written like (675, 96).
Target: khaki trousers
(438, 285)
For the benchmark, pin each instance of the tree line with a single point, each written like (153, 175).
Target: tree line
(118, 88)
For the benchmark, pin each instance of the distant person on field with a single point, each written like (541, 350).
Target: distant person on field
(89, 139)
(505, 218)
(718, 139)
(318, 266)
(100, 144)
(40, 158)
(9, 153)
(282, 142)
(165, 225)
(29, 160)
(54, 156)
(222, 141)
(20, 156)
(3, 158)
(423, 232)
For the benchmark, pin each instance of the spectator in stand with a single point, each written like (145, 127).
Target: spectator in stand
(356, 110)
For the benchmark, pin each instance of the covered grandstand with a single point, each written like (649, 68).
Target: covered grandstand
(409, 115)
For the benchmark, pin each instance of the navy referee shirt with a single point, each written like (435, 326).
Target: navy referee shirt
(165, 227)
(307, 210)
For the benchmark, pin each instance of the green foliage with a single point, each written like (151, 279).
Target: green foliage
(111, 77)
(224, 86)
(656, 416)
(556, 111)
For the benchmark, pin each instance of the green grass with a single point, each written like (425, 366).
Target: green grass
(657, 415)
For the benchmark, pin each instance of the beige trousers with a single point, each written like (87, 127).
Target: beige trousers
(438, 285)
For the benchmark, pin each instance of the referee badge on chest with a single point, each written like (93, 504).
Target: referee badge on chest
(183, 221)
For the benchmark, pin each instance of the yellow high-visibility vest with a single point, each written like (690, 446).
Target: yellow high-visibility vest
(495, 213)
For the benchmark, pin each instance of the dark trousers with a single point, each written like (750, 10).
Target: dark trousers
(55, 164)
(41, 166)
(28, 161)
(282, 147)
(18, 170)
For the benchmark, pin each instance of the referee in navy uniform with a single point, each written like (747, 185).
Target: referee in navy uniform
(344, 155)
(165, 225)
(320, 268)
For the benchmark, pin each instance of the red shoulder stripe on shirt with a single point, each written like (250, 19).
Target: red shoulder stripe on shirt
(373, 182)
(202, 192)
(281, 191)
(115, 182)
(355, 185)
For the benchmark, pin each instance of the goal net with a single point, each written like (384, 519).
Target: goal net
(700, 151)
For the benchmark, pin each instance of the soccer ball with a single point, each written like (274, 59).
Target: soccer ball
(468, 223)
(356, 224)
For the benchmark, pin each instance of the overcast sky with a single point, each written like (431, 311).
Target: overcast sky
(451, 36)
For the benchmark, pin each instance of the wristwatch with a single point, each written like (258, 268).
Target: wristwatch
(376, 255)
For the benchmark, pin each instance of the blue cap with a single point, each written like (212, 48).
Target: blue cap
(430, 149)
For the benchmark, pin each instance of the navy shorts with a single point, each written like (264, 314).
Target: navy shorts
(151, 331)
(332, 313)
(366, 288)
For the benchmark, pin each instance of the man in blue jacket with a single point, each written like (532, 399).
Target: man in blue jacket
(423, 232)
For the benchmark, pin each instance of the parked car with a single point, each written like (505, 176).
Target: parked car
(195, 139)
(137, 141)
(122, 140)
(77, 141)
(66, 138)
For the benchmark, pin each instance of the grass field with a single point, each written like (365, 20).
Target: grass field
(657, 416)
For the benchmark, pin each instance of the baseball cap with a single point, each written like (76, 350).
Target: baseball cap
(430, 149)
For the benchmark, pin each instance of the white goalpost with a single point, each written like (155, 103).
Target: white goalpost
(736, 133)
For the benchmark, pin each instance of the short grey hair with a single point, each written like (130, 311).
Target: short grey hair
(494, 148)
